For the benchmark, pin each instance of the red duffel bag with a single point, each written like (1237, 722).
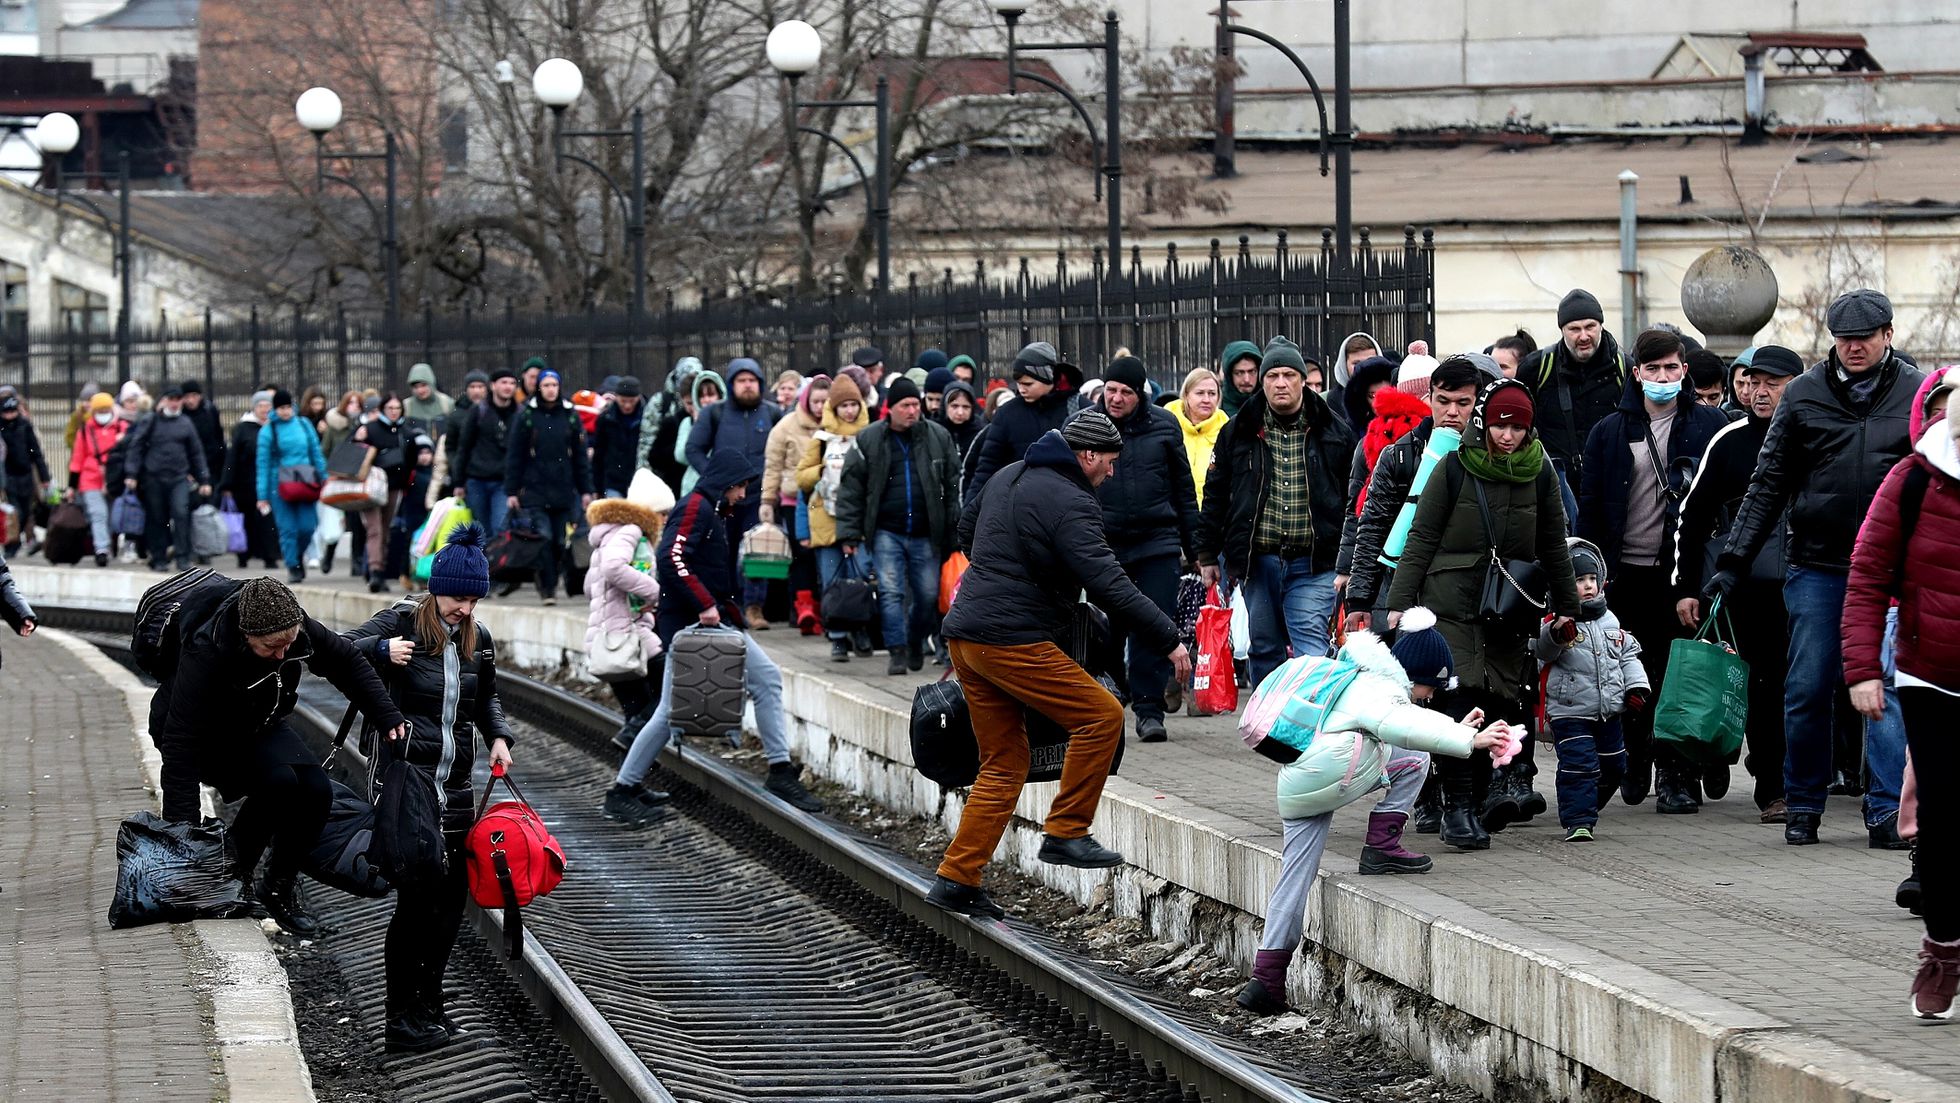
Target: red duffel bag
(512, 859)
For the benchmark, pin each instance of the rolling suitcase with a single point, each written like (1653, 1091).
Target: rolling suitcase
(707, 687)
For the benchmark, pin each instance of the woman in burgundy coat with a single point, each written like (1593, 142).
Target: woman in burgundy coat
(1905, 552)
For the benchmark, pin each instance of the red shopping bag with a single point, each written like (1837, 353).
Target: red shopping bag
(1214, 684)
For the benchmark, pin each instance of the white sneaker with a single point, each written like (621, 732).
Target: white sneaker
(129, 554)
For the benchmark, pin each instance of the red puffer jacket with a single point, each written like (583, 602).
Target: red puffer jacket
(1928, 592)
(1395, 415)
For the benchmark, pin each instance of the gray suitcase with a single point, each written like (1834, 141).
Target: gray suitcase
(707, 689)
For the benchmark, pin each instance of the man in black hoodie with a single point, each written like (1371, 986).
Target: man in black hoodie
(699, 585)
(546, 473)
(1756, 603)
(203, 416)
(1575, 382)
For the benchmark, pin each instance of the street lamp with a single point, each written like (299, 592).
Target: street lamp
(319, 111)
(1011, 12)
(557, 83)
(56, 135)
(794, 48)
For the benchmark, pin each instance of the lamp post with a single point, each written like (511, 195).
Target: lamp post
(794, 48)
(318, 110)
(557, 84)
(56, 136)
(1223, 153)
(1011, 12)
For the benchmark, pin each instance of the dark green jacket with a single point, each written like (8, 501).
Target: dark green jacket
(935, 462)
(1448, 554)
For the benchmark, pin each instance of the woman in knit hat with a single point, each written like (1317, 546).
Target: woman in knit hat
(1500, 465)
(782, 455)
(219, 718)
(818, 476)
(440, 668)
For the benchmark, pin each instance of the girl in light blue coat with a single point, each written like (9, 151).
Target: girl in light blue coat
(289, 441)
(1343, 728)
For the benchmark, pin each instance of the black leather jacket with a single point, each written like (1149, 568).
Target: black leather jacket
(1826, 452)
(1363, 536)
(448, 699)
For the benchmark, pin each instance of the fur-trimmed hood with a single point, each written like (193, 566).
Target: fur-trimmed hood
(619, 511)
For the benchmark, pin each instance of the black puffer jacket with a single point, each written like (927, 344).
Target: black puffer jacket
(1036, 540)
(545, 464)
(1019, 424)
(615, 448)
(1592, 389)
(220, 718)
(482, 446)
(1235, 488)
(1826, 452)
(241, 475)
(1388, 491)
(428, 688)
(1606, 482)
(1150, 506)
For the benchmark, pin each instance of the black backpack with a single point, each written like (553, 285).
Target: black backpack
(157, 638)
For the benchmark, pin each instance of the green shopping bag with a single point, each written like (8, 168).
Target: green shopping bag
(1705, 704)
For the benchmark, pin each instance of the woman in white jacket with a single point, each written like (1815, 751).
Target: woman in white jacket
(621, 588)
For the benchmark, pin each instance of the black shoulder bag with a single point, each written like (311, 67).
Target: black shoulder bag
(1514, 594)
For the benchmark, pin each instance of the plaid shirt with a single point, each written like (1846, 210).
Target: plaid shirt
(1285, 525)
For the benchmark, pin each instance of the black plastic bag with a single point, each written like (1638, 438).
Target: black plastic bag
(407, 845)
(340, 857)
(172, 872)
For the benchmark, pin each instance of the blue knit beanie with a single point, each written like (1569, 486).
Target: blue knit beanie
(460, 570)
(1422, 650)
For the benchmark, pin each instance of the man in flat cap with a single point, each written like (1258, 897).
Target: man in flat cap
(1840, 427)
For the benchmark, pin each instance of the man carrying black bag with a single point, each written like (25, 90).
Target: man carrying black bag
(229, 681)
(1036, 541)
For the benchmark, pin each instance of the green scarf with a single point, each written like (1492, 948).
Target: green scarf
(1521, 466)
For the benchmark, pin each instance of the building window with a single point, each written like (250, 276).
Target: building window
(13, 304)
(455, 134)
(81, 310)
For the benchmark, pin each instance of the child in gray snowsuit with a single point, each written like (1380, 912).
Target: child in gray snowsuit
(1589, 682)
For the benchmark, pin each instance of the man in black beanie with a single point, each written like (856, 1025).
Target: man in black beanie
(1575, 382)
(1150, 517)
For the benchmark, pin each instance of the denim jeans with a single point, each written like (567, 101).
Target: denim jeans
(907, 608)
(96, 504)
(167, 520)
(1885, 740)
(1814, 696)
(763, 682)
(1147, 671)
(489, 506)
(1287, 603)
(1592, 758)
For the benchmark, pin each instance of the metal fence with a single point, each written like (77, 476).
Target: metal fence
(1176, 314)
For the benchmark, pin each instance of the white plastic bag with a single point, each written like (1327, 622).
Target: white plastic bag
(1241, 625)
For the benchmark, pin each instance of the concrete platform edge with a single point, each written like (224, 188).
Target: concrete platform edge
(1535, 1016)
(230, 962)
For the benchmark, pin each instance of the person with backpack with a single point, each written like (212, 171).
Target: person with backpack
(439, 664)
(166, 461)
(742, 422)
(228, 657)
(88, 468)
(547, 474)
(1047, 387)
(820, 476)
(1575, 382)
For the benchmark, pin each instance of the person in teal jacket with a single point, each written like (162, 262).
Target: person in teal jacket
(289, 441)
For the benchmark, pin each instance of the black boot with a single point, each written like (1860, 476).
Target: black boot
(1674, 793)
(1907, 896)
(1497, 808)
(326, 558)
(965, 899)
(786, 781)
(897, 663)
(1460, 826)
(1428, 817)
(280, 895)
(411, 1032)
(1639, 777)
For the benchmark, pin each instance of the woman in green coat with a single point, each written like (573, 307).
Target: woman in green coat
(1443, 569)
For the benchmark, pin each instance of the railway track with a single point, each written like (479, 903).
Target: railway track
(739, 950)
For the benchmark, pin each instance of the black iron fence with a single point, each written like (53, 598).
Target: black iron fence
(1176, 314)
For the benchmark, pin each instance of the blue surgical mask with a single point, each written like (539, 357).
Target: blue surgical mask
(1661, 393)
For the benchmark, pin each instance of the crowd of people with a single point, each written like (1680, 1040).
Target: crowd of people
(1561, 515)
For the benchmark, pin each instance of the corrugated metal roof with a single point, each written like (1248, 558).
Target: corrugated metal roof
(149, 15)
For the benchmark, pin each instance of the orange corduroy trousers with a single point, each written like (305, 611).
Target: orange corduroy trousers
(999, 682)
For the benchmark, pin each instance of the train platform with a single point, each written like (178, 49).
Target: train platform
(1682, 958)
(188, 1012)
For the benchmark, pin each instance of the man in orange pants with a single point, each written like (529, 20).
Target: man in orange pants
(1035, 537)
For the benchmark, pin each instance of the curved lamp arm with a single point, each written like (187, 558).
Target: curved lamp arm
(863, 177)
(1319, 104)
(1082, 112)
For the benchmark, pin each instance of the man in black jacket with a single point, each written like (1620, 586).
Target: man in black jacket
(1045, 386)
(616, 440)
(1274, 503)
(1575, 382)
(220, 719)
(900, 494)
(1452, 396)
(1840, 428)
(1150, 515)
(167, 460)
(481, 454)
(546, 473)
(476, 387)
(203, 416)
(1037, 540)
(1762, 626)
(1639, 461)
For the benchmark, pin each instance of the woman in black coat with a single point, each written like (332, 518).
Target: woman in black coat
(241, 481)
(219, 718)
(439, 664)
